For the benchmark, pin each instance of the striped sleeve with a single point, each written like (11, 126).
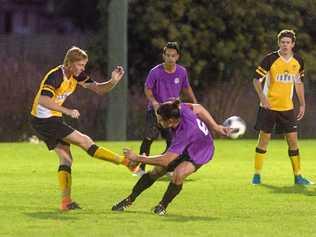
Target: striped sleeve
(301, 63)
(263, 68)
(52, 82)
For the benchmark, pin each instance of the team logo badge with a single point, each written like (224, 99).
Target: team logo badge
(176, 80)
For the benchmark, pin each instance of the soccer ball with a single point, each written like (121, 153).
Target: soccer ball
(237, 124)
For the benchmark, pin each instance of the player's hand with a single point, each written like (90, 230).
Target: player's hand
(129, 154)
(301, 112)
(265, 103)
(155, 106)
(74, 113)
(225, 131)
(117, 74)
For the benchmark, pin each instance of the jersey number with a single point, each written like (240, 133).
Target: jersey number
(202, 127)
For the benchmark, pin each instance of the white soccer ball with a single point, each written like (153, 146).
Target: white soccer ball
(237, 124)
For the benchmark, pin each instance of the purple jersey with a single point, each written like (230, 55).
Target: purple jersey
(192, 137)
(166, 86)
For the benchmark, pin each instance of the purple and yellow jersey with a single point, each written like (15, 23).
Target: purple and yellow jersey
(167, 86)
(192, 137)
(280, 76)
(57, 86)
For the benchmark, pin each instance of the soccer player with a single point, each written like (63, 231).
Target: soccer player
(280, 71)
(48, 109)
(164, 82)
(191, 148)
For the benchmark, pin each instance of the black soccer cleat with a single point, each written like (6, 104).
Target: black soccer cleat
(160, 210)
(122, 205)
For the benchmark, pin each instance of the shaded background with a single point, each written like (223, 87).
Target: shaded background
(221, 43)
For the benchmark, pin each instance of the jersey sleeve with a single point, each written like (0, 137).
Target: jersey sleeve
(263, 68)
(52, 82)
(84, 77)
(301, 70)
(186, 82)
(150, 80)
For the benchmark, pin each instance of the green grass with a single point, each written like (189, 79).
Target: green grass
(218, 200)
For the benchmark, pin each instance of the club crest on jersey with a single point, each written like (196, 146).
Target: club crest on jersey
(285, 77)
(177, 80)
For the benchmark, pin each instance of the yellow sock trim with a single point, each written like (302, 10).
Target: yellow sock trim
(108, 155)
(296, 164)
(64, 179)
(259, 157)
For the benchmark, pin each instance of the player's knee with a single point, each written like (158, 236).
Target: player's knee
(156, 174)
(178, 177)
(85, 141)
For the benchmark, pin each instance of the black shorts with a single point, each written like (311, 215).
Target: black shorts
(281, 121)
(184, 157)
(153, 129)
(51, 130)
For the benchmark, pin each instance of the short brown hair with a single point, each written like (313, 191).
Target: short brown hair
(287, 33)
(74, 54)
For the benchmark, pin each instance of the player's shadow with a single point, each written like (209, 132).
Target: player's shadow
(50, 215)
(167, 179)
(295, 189)
(170, 216)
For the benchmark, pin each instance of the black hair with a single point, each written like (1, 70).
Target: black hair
(169, 110)
(172, 45)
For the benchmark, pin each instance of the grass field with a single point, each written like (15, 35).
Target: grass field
(216, 201)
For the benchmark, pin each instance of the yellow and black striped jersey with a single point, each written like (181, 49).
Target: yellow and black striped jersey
(280, 75)
(57, 86)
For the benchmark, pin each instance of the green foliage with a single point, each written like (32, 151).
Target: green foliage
(220, 39)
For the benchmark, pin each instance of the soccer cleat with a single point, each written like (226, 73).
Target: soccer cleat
(256, 179)
(67, 206)
(160, 210)
(300, 180)
(122, 205)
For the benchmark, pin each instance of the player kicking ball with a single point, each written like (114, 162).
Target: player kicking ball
(47, 117)
(192, 147)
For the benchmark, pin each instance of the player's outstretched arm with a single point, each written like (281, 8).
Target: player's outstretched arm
(105, 87)
(158, 160)
(207, 118)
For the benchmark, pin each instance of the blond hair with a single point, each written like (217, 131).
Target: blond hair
(74, 54)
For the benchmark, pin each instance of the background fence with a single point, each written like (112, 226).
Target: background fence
(25, 60)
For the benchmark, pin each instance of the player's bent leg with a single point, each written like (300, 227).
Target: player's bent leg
(86, 143)
(182, 171)
(64, 177)
(260, 156)
(142, 184)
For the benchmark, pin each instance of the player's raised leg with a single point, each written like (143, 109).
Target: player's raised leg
(86, 143)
